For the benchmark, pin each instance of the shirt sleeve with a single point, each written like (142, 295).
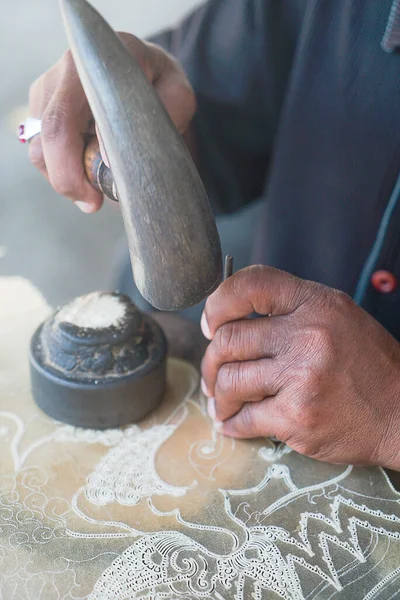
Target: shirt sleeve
(226, 48)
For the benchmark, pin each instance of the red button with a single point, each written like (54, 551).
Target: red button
(384, 281)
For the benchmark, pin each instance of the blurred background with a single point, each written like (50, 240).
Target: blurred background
(43, 236)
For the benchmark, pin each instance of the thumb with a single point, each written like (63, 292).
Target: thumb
(257, 289)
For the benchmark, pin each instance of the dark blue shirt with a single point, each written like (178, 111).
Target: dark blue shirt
(299, 103)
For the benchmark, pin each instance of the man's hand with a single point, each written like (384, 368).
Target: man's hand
(57, 97)
(315, 370)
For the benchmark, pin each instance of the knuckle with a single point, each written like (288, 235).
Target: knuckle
(343, 302)
(306, 416)
(64, 74)
(304, 411)
(318, 344)
(301, 291)
(230, 379)
(167, 61)
(314, 384)
(41, 91)
(316, 295)
(172, 61)
(67, 58)
(320, 338)
(64, 69)
(257, 271)
(65, 61)
(301, 411)
(311, 380)
(306, 379)
(226, 380)
(144, 52)
(248, 425)
(225, 340)
(54, 123)
(308, 447)
(254, 276)
(288, 373)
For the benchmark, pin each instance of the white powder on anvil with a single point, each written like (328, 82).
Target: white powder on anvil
(96, 311)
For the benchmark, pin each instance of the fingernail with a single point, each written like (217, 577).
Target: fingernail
(204, 326)
(85, 207)
(212, 413)
(204, 387)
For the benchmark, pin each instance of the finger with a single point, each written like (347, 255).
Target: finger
(36, 155)
(63, 145)
(243, 341)
(259, 289)
(40, 94)
(241, 382)
(257, 419)
(64, 122)
(41, 102)
(170, 83)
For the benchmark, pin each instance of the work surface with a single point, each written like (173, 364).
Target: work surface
(167, 509)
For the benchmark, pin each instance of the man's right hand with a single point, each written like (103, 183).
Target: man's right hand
(57, 97)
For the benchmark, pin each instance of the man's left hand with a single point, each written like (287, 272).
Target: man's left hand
(315, 370)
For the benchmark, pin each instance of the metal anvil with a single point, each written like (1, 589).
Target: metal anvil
(173, 240)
